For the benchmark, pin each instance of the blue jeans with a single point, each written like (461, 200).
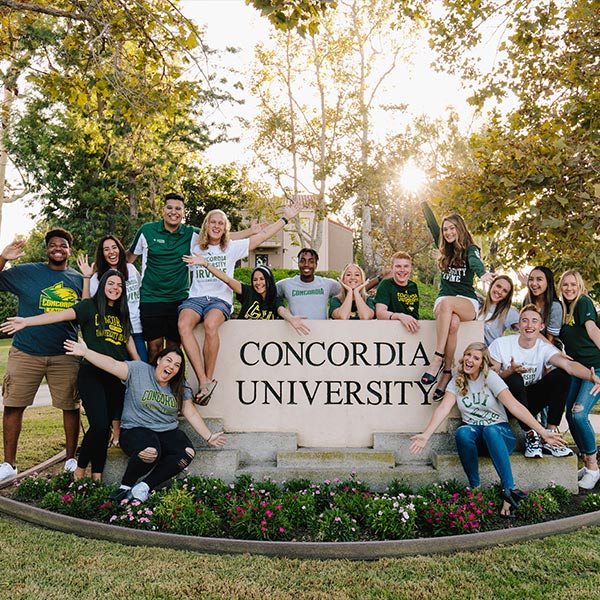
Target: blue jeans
(496, 440)
(140, 346)
(579, 405)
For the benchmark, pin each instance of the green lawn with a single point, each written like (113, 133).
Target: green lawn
(4, 346)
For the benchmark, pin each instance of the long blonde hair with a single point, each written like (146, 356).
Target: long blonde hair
(569, 311)
(342, 295)
(502, 308)
(462, 381)
(455, 254)
(203, 235)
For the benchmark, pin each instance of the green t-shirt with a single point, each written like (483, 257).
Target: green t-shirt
(110, 340)
(335, 302)
(578, 344)
(458, 281)
(254, 307)
(399, 298)
(165, 277)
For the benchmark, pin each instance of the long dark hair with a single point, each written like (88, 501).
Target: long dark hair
(270, 287)
(121, 306)
(102, 264)
(549, 295)
(501, 309)
(177, 383)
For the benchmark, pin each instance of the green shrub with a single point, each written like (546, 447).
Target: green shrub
(538, 505)
(32, 488)
(256, 517)
(333, 525)
(591, 502)
(391, 517)
(399, 487)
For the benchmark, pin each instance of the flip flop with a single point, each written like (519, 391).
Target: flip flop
(205, 392)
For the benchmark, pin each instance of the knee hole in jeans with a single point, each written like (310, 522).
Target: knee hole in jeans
(186, 460)
(577, 407)
(148, 455)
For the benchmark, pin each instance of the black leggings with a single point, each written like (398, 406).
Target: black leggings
(101, 394)
(171, 454)
(551, 391)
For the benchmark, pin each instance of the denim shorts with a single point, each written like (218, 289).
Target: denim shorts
(202, 304)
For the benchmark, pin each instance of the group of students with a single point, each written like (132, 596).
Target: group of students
(128, 321)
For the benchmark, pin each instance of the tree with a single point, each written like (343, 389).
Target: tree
(111, 116)
(533, 175)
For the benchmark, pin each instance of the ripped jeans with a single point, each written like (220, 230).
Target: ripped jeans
(497, 441)
(579, 405)
(155, 455)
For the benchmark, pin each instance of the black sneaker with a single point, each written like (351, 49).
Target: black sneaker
(119, 494)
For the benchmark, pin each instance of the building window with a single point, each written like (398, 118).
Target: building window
(261, 260)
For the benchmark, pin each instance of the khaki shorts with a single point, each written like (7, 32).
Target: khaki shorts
(24, 374)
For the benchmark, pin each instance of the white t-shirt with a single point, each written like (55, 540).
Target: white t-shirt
(132, 288)
(205, 283)
(535, 359)
(480, 406)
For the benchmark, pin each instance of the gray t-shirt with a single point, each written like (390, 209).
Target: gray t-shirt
(495, 329)
(481, 405)
(148, 404)
(308, 298)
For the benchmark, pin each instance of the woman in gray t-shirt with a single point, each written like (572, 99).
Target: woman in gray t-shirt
(150, 435)
(482, 399)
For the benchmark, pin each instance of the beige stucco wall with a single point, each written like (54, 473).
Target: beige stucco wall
(334, 387)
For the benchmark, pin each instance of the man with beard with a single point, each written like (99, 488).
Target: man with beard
(308, 294)
(38, 352)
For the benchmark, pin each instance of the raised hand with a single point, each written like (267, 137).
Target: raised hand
(194, 259)
(84, 265)
(12, 325)
(14, 250)
(77, 348)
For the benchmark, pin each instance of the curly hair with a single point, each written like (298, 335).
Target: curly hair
(462, 381)
(203, 235)
(455, 254)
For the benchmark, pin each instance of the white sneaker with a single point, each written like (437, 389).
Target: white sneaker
(70, 465)
(533, 445)
(581, 473)
(7, 471)
(556, 450)
(589, 479)
(140, 491)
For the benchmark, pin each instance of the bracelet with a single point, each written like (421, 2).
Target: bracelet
(86, 277)
(209, 438)
(285, 221)
(391, 315)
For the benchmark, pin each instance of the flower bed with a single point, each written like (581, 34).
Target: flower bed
(298, 510)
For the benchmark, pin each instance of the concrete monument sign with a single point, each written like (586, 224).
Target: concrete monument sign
(333, 388)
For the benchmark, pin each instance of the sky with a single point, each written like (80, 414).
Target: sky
(233, 23)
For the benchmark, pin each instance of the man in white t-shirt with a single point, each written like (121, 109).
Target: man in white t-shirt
(523, 361)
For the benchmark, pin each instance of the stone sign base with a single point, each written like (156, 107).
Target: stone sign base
(277, 456)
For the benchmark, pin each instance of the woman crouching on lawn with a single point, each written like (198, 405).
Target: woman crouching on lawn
(157, 449)
(483, 398)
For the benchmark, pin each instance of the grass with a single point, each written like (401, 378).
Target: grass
(4, 346)
(36, 563)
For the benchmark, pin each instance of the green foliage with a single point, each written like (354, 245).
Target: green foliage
(399, 487)
(32, 488)
(391, 517)
(333, 525)
(538, 506)
(591, 502)
(8, 307)
(303, 16)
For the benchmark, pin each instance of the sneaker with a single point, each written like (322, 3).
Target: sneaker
(140, 491)
(119, 494)
(581, 473)
(70, 465)
(7, 471)
(589, 479)
(556, 450)
(533, 445)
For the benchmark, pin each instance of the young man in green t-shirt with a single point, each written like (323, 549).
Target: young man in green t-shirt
(397, 298)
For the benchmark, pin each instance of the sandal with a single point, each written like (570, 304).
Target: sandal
(428, 378)
(512, 501)
(439, 392)
(205, 392)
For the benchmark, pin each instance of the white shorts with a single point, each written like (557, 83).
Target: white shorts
(473, 301)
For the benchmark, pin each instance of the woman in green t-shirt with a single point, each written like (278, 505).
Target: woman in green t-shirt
(105, 327)
(459, 261)
(352, 302)
(580, 334)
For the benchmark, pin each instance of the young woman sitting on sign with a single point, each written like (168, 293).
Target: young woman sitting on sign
(150, 435)
(259, 300)
(497, 312)
(352, 302)
(459, 261)
(482, 399)
(104, 322)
